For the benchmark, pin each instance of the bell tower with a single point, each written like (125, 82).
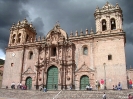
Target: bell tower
(21, 33)
(108, 19)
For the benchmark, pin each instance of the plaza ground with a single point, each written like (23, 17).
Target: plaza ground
(63, 94)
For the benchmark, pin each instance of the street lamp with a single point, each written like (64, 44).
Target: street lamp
(104, 64)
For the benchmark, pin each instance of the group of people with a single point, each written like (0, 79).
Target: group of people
(117, 87)
(89, 87)
(99, 85)
(19, 86)
(43, 89)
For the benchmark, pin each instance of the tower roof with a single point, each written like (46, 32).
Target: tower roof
(23, 24)
(108, 8)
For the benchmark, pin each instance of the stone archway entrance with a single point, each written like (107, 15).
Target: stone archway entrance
(52, 78)
(84, 80)
(29, 82)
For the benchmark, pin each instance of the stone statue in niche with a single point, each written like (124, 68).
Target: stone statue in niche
(41, 55)
(31, 40)
(69, 51)
(68, 78)
(60, 51)
(47, 53)
(53, 38)
(69, 70)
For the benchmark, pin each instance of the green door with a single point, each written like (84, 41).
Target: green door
(84, 80)
(29, 82)
(52, 78)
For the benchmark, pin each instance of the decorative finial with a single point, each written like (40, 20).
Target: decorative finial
(81, 32)
(39, 38)
(35, 39)
(86, 31)
(76, 34)
(117, 5)
(13, 25)
(71, 34)
(18, 23)
(91, 32)
(57, 24)
(130, 67)
(107, 2)
(25, 20)
(44, 37)
(31, 39)
(31, 25)
(97, 7)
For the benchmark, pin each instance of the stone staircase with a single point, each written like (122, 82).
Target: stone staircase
(65, 94)
(27, 94)
(94, 94)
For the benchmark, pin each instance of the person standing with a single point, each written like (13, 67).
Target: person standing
(18, 86)
(96, 84)
(130, 96)
(130, 84)
(102, 84)
(104, 96)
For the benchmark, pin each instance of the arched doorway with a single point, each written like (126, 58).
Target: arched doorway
(29, 82)
(84, 80)
(52, 78)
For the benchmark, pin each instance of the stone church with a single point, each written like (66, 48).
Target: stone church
(61, 61)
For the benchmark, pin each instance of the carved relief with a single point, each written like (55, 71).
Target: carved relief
(60, 52)
(54, 39)
(60, 73)
(41, 56)
(68, 73)
(47, 52)
(69, 52)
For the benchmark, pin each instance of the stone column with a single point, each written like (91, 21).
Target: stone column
(91, 55)
(108, 23)
(10, 39)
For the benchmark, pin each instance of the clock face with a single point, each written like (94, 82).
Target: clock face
(13, 54)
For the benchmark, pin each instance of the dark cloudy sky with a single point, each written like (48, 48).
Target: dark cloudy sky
(72, 15)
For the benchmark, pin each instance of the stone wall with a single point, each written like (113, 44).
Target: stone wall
(12, 67)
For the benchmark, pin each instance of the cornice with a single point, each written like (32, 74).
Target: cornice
(93, 36)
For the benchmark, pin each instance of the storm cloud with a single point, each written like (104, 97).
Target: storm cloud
(72, 15)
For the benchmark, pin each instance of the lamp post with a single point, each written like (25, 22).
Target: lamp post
(104, 64)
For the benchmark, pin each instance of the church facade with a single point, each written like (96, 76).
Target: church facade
(61, 61)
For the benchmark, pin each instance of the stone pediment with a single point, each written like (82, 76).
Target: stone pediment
(85, 68)
(29, 71)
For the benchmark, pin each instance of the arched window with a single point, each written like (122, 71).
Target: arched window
(19, 37)
(85, 50)
(13, 38)
(30, 55)
(12, 64)
(113, 24)
(53, 51)
(104, 26)
(27, 38)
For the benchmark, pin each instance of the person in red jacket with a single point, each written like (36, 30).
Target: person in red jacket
(102, 84)
(130, 96)
(130, 84)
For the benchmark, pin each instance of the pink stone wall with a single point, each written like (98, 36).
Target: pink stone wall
(12, 73)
